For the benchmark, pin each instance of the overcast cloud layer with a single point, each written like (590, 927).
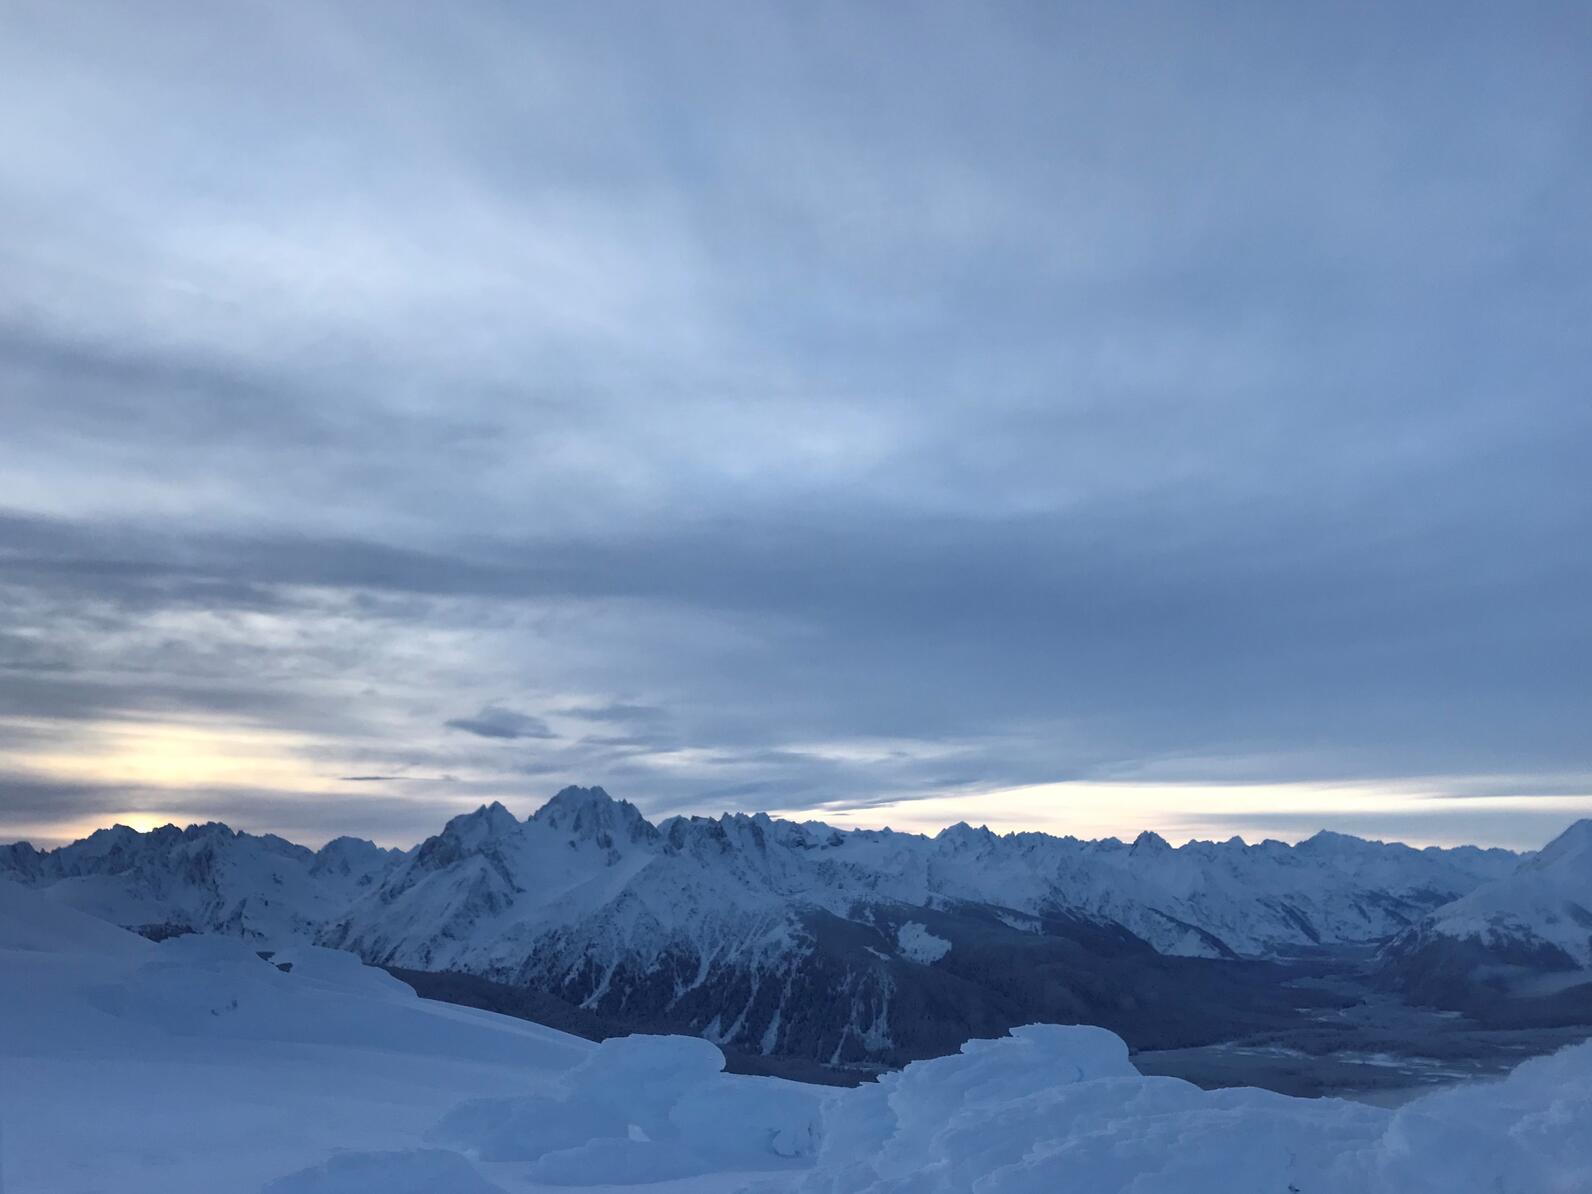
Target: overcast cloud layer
(753, 406)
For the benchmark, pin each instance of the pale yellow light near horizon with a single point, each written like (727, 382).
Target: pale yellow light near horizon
(143, 822)
(186, 759)
(177, 755)
(1182, 811)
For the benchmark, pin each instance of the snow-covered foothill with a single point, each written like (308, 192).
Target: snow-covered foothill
(195, 1066)
(1050, 1109)
(30, 922)
(639, 1108)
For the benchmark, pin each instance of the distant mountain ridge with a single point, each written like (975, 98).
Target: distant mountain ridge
(1525, 935)
(786, 939)
(204, 877)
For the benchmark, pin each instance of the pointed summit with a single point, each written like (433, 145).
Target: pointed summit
(590, 814)
(466, 834)
(471, 830)
(1331, 840)
(352, 856)
(1571, 850)
(963, 836)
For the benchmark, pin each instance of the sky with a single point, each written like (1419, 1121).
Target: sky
(1086, 417)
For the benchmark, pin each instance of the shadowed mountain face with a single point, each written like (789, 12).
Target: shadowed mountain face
(1517, 949)
(787, 940)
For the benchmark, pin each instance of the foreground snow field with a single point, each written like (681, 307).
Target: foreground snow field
(195, 1065)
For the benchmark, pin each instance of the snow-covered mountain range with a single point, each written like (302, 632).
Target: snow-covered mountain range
(204, 877)
(791, 939)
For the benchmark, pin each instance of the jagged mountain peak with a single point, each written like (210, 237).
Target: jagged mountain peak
(592, 814)
(467, 834)
(103, 841)
(485, 823)
(1149, 841)
(213, 829)
(963, 836)
(353, 856)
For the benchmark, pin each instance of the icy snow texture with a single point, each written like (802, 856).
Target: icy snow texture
(643, 1108)
(1054, 1109)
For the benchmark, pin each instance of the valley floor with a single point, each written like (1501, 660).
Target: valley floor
(1345, 1037)
(1370, 1046)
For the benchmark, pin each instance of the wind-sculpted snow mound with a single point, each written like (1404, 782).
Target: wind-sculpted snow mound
(222, 989)
(643, 1108)
(30, 922)
(1055, 1109)
(1046, 1110)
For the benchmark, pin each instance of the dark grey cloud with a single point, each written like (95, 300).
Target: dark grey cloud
(496, 722)
(821, 406)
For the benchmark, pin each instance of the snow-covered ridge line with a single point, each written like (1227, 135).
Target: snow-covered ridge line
(1183, 899)
(738, 927)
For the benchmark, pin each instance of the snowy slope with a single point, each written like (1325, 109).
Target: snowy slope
(1528, 933)
(1546, 901)
(196, 1066)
